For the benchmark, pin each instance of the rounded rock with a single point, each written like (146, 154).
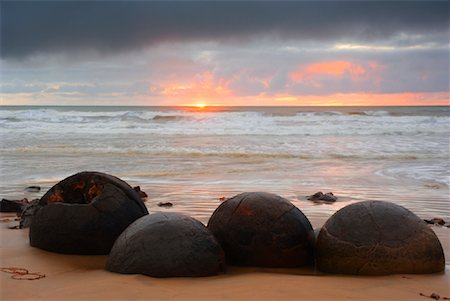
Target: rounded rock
(166, 245)
(263, 229)
(378, 238)
(84, 214)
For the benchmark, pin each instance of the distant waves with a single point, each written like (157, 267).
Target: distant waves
(235, 123)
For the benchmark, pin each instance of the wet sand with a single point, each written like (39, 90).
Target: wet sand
(70, 277)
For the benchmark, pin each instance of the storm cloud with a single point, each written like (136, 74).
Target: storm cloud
(30, 27)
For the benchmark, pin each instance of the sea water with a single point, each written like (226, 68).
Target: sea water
(192, 157)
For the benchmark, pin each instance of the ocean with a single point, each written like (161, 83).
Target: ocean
(192, 156)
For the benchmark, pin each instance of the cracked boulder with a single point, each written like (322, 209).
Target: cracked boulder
(166, 245)
(263, 229)
(84, 214)
(378, 238)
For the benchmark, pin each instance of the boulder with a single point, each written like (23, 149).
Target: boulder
(166, 245)
(16, 206)
(84, 214)
(320, 197)
(378, 238)
(263, 229)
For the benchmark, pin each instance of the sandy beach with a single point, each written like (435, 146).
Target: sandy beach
(70, 277)
(309, 105)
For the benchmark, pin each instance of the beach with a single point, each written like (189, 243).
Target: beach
(191, 138)
(73, 277)
(196, 157)
(191, 156)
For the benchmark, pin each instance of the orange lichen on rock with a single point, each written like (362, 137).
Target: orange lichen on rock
(56, 197)
(78, 185)
(94, 191)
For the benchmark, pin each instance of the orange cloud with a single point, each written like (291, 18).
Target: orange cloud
(226, 98)
(203, 87)
(365, 99)
(308, 74)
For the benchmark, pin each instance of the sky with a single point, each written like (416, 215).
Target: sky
(277, 53)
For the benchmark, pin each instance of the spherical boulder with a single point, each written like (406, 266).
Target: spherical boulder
(84, 214)
(263, 229)
(378, 238)
(166, 245)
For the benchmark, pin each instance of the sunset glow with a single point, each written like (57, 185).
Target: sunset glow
(200, 105)
(312, 73)
(318, 56)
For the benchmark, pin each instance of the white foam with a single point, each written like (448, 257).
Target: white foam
(220, 123)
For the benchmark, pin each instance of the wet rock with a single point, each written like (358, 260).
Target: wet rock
(434, 221)
(28, 212)
(141, 193)
(166, 245)
(16, 206)
(33, 189)
(315, 196)
(378, 238)
(84, 214)
(329, 197)
(165, 204)
(263, 229)
(319, 197)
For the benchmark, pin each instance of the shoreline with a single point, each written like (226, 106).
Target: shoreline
(76, 277)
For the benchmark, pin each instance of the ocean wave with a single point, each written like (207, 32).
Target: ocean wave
(177, 122)
(167, 117)
(201, 152)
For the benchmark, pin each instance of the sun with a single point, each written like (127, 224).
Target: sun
(200, 105)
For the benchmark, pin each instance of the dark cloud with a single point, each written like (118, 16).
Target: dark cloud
(29, 27)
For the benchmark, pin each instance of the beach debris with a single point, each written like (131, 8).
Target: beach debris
(263, 229)
(434, 296)
(165, 204)
(320, 197)
(389, 239)
(16, 206)
(33, 188)
(167, 245)
(434, 221)
(22, 274)
(84, 214)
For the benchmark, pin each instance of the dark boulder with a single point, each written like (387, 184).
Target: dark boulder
(263, 229)
(16, 206)
(166, 245)
(84, 214)
(378, 238)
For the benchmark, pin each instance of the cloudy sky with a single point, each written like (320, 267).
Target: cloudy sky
(225, 52)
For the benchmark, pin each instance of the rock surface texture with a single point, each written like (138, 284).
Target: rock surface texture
(84, 214)
(378, 238)
(166, 245)
(263, 229)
